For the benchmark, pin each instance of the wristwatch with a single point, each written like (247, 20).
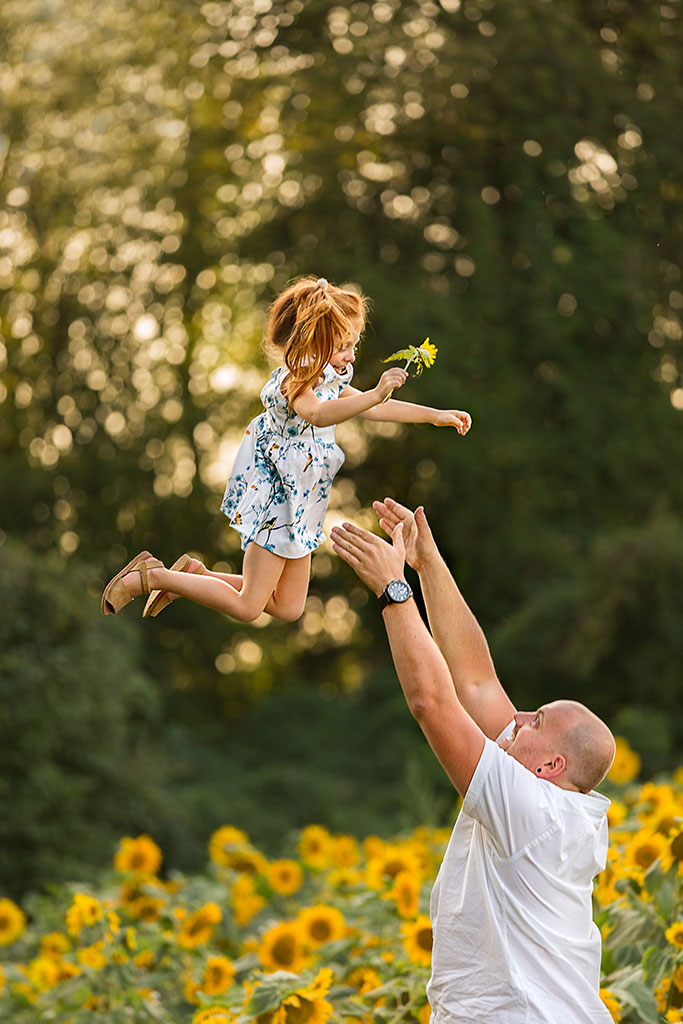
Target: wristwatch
(395, 592)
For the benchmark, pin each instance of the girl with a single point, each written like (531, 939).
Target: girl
(277, 494)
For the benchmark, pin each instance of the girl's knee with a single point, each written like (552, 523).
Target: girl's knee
(289, 613)
(245, 613)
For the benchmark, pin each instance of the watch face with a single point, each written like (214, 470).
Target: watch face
(399, 591)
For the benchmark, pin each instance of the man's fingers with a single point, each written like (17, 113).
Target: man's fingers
(397, 540)
(423, 528)
(400, 511)
(388, 527)
(363, 538)
(346, 555)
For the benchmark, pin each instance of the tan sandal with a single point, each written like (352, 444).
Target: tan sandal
(160, 599)
(115, 596)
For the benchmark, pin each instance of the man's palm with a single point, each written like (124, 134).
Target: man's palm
(417, 543)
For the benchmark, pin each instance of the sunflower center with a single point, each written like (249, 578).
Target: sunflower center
(320, 930)
(646, 854)
(284, 950)
(425, 939)
(301, 1013)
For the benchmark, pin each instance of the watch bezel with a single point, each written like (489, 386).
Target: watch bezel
(403, 588)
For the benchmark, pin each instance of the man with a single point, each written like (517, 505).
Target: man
(514, 938)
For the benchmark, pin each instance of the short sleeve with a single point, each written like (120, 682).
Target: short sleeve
(504, 797)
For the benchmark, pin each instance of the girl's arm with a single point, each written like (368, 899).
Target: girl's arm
(336, 410)
(394, 411)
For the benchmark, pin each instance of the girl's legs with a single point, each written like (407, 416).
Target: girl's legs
(268, 583)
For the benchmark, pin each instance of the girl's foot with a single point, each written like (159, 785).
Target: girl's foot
(160, 599)
(132, 580)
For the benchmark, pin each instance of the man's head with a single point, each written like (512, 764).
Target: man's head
(564, 743)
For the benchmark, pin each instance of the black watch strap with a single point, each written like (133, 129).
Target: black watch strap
(395, 592)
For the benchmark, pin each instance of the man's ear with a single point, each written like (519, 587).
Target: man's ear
(553, 768)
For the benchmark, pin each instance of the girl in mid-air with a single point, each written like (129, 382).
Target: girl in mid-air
(277, 494)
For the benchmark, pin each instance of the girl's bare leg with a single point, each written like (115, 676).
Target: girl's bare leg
(289, 596)
(262, 571)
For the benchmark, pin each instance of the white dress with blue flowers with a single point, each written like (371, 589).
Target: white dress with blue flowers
(280, 484)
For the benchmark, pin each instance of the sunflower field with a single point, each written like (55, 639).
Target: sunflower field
(334, 930)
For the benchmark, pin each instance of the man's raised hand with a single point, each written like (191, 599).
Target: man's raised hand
(420, 546)
(372, 559)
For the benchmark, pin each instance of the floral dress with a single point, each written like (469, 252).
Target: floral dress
(280, 484)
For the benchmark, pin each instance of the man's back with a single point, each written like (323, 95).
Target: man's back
(514, 939)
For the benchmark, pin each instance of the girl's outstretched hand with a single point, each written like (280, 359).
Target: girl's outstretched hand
(462, 421)
(417, 536)
(389, 381)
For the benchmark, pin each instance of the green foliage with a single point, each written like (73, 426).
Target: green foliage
(615, 616)
(79, 761)
(503, 179)
(356, 764)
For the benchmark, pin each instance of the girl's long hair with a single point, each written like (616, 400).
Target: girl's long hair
(305, 324)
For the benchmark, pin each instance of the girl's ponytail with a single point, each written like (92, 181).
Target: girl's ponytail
(306, 323)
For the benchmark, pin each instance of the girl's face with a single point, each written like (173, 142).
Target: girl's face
(345, 353)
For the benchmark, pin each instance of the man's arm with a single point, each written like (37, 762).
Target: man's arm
(426, 682)
(459, 636)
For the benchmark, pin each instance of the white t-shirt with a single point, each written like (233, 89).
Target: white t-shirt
(514, 937)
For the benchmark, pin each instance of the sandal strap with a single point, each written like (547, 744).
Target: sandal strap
(143, 567)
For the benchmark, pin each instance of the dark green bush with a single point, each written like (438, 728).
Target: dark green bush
(79, 764)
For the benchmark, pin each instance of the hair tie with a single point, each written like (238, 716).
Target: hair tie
(323, 283)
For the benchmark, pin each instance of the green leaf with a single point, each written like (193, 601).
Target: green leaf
(641, 999)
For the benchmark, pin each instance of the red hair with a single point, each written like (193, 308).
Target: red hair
(307, 322)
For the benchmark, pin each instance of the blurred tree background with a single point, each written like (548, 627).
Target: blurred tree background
(505, 178)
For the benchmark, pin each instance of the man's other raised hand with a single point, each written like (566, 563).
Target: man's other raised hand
(420, 546)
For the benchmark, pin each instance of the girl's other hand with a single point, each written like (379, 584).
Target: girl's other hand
(462, 421)
(389, 381)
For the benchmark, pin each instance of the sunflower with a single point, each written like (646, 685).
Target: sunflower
(647, 847)
(66, 970)
(406, 893)
(283, 949)
(55, 945)
(247, 862)
(139, 856)
(246, 901)
(93, 956)
(307, 1005)
(418, 940)
(145, 959)
(616, 812)
(285, 876)
(373, 846)
(674, 934)
(12, 922)
(219, 975)
(321, 924)
(136, 896)
(224, 842)
(363, 979)
(315, 846)
(2, 981)
(626, 763)
(43, 973)
(424, 1016)
(428, 352)
(345, 852)
(197, 928)
(213, 1015)
(389, 863)
(612, 1003)
(83, 912)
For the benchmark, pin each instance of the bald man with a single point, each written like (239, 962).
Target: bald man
(514, 938)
